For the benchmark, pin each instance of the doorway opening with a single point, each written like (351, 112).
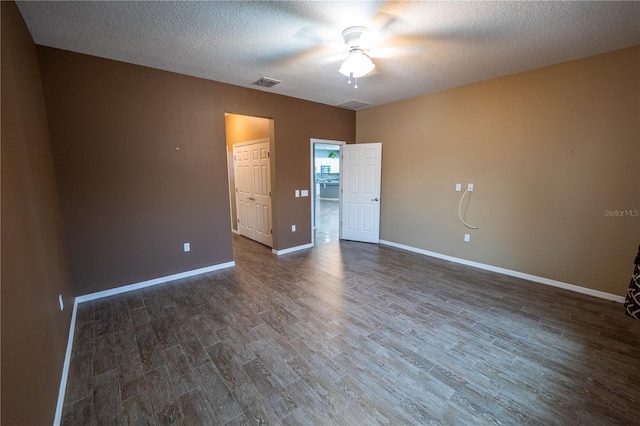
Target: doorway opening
(249, 148)
(326, 197)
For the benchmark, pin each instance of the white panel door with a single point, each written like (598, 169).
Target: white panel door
(261, 184)
(242, 166)
(252, 169)
(361, 171)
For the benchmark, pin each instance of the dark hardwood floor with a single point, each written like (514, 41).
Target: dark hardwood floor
(352, 334)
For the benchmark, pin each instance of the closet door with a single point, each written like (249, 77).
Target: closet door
(244, 206)
(261, 197)
(252, 168)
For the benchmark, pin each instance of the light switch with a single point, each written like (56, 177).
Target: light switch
(458, 187)
(297, 192)
(305, 193)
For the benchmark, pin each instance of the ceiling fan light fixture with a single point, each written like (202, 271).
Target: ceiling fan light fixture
(358, 64)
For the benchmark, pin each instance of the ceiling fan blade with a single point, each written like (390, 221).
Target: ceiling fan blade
(313, 34)
(400, 45)
(385, 23)
(389, 52)
(338, 57)
(287, 58)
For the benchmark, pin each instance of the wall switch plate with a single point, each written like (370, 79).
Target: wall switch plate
(470, 187)
(293, 228)
(187, 247)
(297, 192)
(61, 302)
(467, 238)
(458, 187)
(305, 193)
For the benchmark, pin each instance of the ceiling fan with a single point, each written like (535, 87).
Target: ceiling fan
(358, 63)
(366, 45)
(376, 35)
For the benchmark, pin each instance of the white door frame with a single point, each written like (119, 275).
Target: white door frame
(313, 184)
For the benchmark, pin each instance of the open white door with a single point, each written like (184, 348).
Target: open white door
(361, 171)
(253, 190)
(244, 207)
(261, 175)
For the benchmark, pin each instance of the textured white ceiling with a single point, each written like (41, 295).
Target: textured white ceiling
(426, 46)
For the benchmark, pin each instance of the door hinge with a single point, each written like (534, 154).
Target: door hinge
(236, 189)
(271, 232)
(268, 155)
(269, 193)
(234, 158)
(238, 220)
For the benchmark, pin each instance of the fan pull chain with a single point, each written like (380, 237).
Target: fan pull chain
(350, 74)
(356, 86)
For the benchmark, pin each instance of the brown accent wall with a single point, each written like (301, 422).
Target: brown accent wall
(130, 199)
(549, 151)
(241, 128)
(34, 269)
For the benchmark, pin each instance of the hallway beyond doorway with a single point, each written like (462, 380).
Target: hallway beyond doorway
(327, 221)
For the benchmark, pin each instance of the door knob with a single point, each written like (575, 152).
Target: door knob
(374, 199)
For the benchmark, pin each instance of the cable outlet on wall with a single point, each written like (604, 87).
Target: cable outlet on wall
(470, 187)
(293, 228)
(187, 247)
(467, 238)
(61, 302)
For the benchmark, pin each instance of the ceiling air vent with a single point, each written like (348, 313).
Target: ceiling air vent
(352, 104)
(266, 82)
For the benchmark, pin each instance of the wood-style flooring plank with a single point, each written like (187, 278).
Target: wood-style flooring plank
(78, 413)
(164, 402)
(180, 372)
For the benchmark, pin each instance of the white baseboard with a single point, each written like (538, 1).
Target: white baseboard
(235, 231)
(529, 277)
(65, 368)
(292, 249)
(149, 283)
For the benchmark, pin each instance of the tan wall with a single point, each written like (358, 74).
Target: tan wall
(548, 151)
(241, 128)
(34, 269)
(129, 199)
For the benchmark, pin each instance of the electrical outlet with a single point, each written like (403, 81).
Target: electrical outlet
(293, 228)
(187, 247)
(458, 187)
(61, 302)
(304, 193)
(467, 238)
(470, 187)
